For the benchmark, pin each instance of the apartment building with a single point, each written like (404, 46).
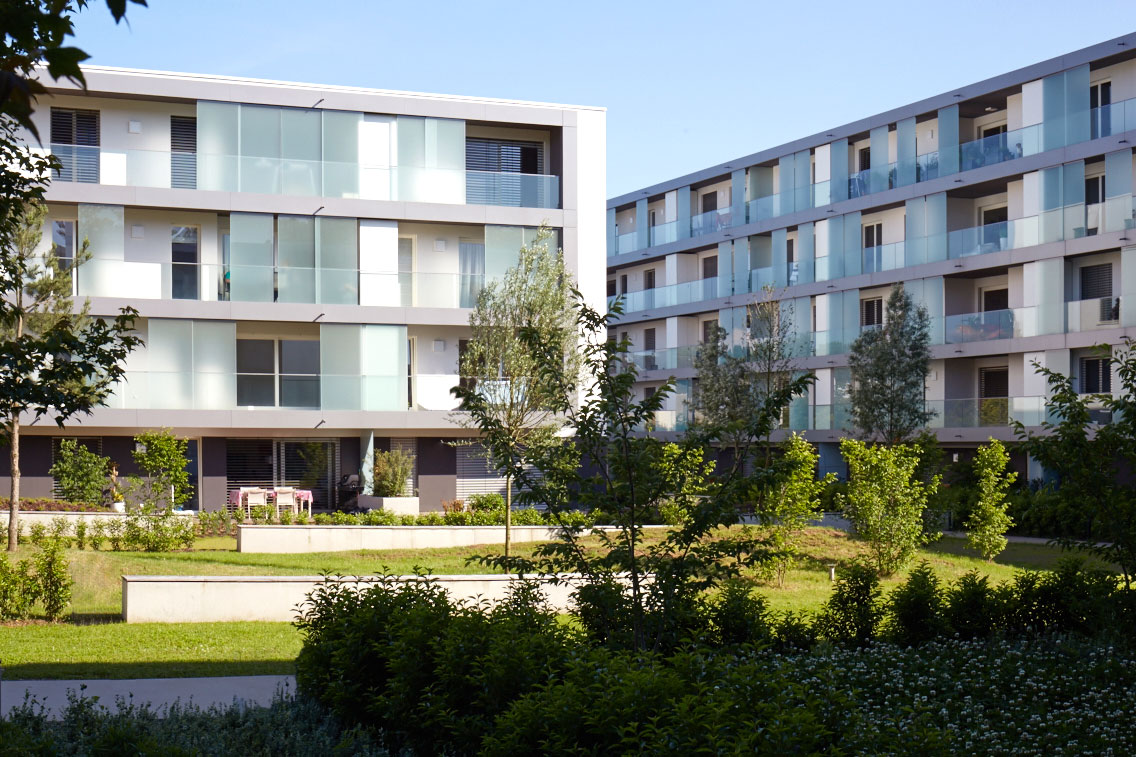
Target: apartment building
(1004, 207)
(303, 258)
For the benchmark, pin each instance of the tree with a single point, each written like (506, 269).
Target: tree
(613, 463)
(794, 499)
(889, 367)
(80, 473)
(988, 522)
(534, 295)
(161, 457)
(391, 470)
(1092, 462)
(885, 500)
(34, 33)
(55, 362)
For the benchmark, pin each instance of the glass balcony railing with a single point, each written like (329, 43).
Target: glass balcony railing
(885, 257)
(675, 294)
(666, 359)
(708, 223)
(1112, 119)
(216, 282)
(990, 325)
(663, 233)
(306, 178)
(1090, 315)
(927, 166)
(994, 237)
(999, 148)
(626, 242)
(986, 412)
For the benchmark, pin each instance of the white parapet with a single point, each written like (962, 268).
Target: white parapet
(213, 599)
(299, 539)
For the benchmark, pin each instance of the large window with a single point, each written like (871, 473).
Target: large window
(1096, 375)
(278, 373)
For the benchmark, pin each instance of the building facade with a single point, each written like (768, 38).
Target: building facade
(303, 259)
(1004, 207)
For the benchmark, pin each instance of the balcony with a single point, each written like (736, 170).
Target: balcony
(666, 359)
(304, 178)
(990, 325)
(999, 148)
(1112, 119)
(214, 282)
(994, 237)
(675, 294)
(708, 223)
(663, 233)
(1090, 315)
(886, 257)
(625, 243)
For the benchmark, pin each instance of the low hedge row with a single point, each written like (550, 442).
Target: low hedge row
(43, 504)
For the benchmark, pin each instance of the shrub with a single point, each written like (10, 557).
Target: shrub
(973, 609)
(97, 534)
(429, 673)
(391, 471)
(115, 532)
(486, 502)
(988, 522)
(54, 578)
(80, 534)
(151, 529)
(452, 505)
(739, 616)
(37, 533)
(853, 613)
(80, 474)
(162, 459)
(60, 531)
(19, 589)
(916, 608)
(885, 501)
(55, 505)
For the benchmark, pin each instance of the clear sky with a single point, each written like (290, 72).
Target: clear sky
(686, 84)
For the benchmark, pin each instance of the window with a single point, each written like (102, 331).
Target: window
(648, 339)
(993, 131)
(75, 143)
(256, 382)
(873, 235)
(63, 242)
(299, 373)
(710, 331)
(468, 382)
(406, 270)
(993, 391)
(1096, 375)
(183, 152)
(1100, 98)
(1094, 190)
(650, 362)
(710, 267)
(649, 278)
(995, 299)
(994, 228)
(864, 157)
(278, 373)
(1096, 281)
(709, 202)
(651, 214)
(872, 312)
(611, 288)
(487, 159)
(184, 258)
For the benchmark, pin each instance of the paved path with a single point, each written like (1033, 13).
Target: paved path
(159, 692)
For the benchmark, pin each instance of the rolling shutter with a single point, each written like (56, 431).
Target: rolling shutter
(75, 142)
(183, 152)
(475, 476)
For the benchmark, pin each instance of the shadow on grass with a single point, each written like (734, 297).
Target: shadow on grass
(1017, 555)
(95, 618)
(60, 671)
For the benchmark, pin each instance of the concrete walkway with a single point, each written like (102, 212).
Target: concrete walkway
(159, 692)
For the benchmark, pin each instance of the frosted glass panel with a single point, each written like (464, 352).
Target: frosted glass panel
(217, 146)
(445, 143)
(339, 366)
(170, 354)
(296, 257)
(260, 149)
(301, 168)
(384, 368)
(338, 240)
(341, 154)
(214, 364)
(104, 228)
(502, 248)
(250, 251)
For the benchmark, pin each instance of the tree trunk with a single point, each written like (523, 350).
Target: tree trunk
(508, 513)
(14, 499)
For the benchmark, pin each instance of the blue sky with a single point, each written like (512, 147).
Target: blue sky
(685, 84)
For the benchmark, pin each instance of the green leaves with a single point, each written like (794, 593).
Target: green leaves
(988, 522)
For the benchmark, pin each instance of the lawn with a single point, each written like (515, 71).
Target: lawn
(95, 644)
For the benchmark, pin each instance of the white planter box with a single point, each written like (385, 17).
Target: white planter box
(398, 505)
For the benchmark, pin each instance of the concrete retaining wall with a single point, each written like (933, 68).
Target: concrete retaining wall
(298, 539)
(38, 516)
(208, 599)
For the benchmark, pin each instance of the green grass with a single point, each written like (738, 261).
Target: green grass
(147, 650)
(94, 645)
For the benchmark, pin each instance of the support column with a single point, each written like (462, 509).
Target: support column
(367, 462)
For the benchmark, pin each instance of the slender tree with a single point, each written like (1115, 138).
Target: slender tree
(988, 522)
(53, 361)
(889, 367)
(535, 295)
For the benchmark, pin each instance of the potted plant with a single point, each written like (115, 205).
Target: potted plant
(393, 488)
